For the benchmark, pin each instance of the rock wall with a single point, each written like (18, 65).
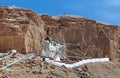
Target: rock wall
(24, 30)
(20, 29)
(96, 39)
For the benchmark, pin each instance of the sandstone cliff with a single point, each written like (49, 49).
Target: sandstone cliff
(20, 29)
(96, 39)
(24, 30)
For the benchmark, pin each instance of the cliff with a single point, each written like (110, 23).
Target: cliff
(95, 39)
(20, 29)
(24, 30)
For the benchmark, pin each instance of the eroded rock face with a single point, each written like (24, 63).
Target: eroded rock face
(20, 29)
(96, 39)
(24, 30)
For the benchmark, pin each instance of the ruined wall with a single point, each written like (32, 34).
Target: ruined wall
(21, 29)
(95, 38)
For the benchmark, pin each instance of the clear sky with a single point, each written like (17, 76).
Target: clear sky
(102, 10)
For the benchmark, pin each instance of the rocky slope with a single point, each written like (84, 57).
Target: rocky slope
(104, 70)
(30, 69)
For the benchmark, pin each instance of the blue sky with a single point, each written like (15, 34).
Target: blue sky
(102, 10)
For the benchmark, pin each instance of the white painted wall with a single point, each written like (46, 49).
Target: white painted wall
(77, 63)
